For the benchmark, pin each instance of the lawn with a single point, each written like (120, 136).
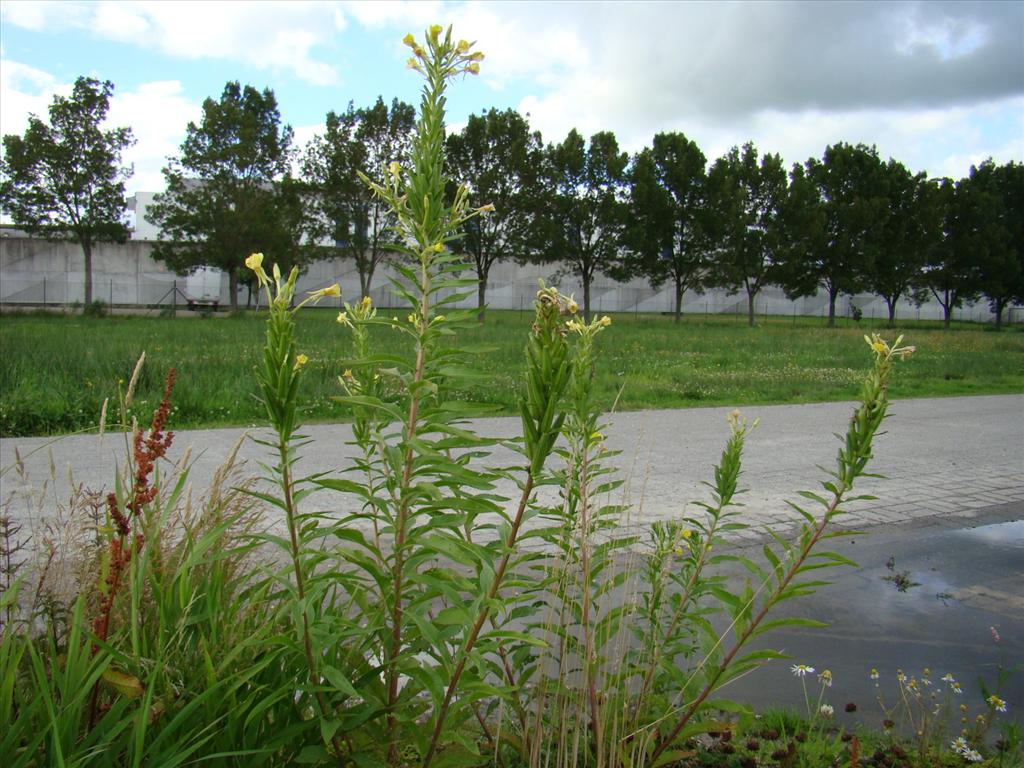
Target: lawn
(55, 371)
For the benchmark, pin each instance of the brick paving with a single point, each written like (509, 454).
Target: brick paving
(947, 461)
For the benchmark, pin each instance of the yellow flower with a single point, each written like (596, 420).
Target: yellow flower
(573, 306)
(394, 168)
(435, 30)
(409, 40)
(366, 302)
(347, 375)
(343, 318)
(473, 69)
(300, 360)
(255, 262)
(463, 46)
(437, 247)
(331, 290)
(412, 318)
(687, 534)
(679, 551)
(606, 321)
(489, 208)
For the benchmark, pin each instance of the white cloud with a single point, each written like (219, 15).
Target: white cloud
(280, 36)
(158, 114)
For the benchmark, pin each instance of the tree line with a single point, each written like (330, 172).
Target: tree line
(845, 223)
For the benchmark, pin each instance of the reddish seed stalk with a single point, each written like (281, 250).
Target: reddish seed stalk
(145, 453)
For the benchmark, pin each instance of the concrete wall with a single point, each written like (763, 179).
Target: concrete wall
(35, 272)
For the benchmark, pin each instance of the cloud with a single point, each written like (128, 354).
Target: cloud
(157, 113)
(279, 36)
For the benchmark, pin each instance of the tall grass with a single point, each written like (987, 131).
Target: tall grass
(48, 386)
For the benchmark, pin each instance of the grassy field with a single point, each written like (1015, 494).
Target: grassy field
(55, 371)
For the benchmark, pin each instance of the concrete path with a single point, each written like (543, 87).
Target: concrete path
(947, 461)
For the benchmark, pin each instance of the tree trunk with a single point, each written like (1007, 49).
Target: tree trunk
(891, 304)
(680, 290)
(233, 288)
(947, 315)
(481, 296)
(586, 298)
(1000, 304)
(750, 308)
(832, 292)
(87, 253)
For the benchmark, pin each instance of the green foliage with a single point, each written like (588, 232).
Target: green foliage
(65, 180)
(749, 200)
(229, 192)
(357, 141)
(584, 215)
(669, 234)
(440, 620)
(497, 159)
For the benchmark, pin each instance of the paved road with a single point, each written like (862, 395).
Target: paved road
(947, 460)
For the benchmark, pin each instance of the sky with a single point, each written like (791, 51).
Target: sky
(936, 85)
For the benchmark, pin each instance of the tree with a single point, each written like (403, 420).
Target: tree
(224, 190)
(749, 197)
(667, 237)
(496, 157)
(849, 200)
(346, 212)
(584, 213)
(950, 273)
(998, 233)
(65, 180)
(905, 235)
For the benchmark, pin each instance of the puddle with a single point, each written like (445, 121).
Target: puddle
(966, 582)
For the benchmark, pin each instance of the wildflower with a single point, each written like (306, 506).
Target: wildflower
(435, 30)
(300, 360)
(394, 168)
(409, 40)
(254, 262)
(801, 670)
(955, 687)
(606, 321)
(343, 319)
(366, 302)
(473, 69)
(826, 711)
(573, 306)
(948, 678)
(972, 756)
(900, 676)
(679, 551)
(687, 534)
(959, 745)
(996, 703)
(874, 673)
(330, 290)
(437, 247)
(826, 678)
(995, 634)
(412, 318)
(489, 208)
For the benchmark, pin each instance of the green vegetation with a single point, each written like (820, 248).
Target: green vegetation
(437, 622)
(56, 371)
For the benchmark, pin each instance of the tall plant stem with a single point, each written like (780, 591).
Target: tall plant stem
(745, 636)
(401, 521)
(467, 646)
(300, 589)
(588, 634)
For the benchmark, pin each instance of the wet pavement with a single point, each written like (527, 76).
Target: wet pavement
(929, 597)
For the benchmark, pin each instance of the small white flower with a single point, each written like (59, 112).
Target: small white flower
(802, 670)
(827, 711)
(972, 756)
(959, 745)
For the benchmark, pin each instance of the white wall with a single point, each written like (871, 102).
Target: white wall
(33, 271)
